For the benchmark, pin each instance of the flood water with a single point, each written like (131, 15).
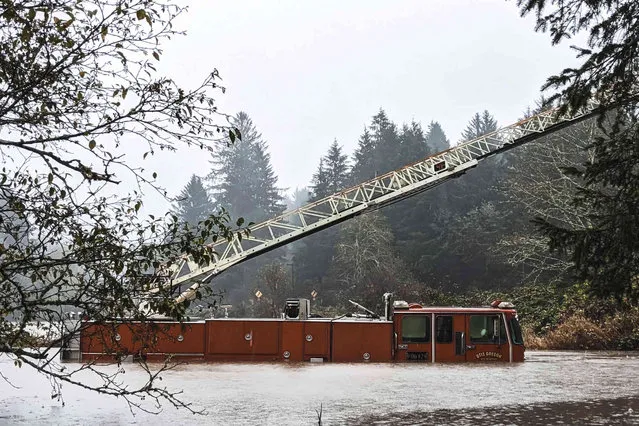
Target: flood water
(548, 388)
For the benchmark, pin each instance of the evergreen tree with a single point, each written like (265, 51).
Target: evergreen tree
(378, 150)
(413, 145)
(436, 138)
(386, 142)
(363, 159)
(336, 163)
(243, 178)
(315, 252)
(298, 199)
(421, 240)
(320, 183)
(474, 202)
(605, 253)
(193, 204)
(479, 125)
(243, 181)
(468, 193)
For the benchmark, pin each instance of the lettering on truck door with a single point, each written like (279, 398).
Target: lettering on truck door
(486, 338)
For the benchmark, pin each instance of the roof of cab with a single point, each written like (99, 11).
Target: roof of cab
(452, 309)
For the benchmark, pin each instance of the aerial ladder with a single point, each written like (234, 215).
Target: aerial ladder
(370, 195)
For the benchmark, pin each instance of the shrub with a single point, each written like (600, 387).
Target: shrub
(577, 332)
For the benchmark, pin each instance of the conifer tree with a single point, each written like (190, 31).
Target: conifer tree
(315, 252)
(605, 254)
(386, 142)
(336, 163)
(243, 178)
(193, 204)
(421, 240)
(479, 186)
(319, 183)
(474, 202)
(363, 159)
(413, 145)
(479, 125)
(436, 138)
(378, 150)
(243, 181)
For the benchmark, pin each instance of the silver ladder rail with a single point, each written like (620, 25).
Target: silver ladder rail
(372, 194)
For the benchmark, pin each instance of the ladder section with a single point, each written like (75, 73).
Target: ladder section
(372, 194)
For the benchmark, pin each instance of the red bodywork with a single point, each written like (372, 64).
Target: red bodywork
(416, 334)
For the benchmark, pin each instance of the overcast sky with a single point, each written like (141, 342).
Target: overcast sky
(310, 72)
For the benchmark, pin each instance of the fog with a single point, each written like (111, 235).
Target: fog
(308, 73)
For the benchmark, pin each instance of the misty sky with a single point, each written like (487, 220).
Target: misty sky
(310, 72)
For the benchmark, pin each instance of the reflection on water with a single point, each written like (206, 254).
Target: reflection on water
(549, 388)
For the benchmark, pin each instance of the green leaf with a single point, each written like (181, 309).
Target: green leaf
(156, 56)
(92, 144)
(232, 136)
(141, 14)
(104, 32)
(50, 177)
(240, 221)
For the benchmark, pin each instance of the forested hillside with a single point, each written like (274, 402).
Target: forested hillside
(472, 233)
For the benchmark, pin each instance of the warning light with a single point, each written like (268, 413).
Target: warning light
(438, 167)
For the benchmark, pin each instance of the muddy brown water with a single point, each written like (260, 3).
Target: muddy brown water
(548, 388)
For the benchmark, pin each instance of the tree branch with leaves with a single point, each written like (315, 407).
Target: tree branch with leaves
(605, 253)
(79, 89)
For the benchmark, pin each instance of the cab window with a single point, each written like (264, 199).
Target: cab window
(416, 328)
(515, 332)
(487, 329)
(444, 328)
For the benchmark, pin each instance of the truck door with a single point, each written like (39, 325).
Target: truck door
(486, 338)
(447, 327)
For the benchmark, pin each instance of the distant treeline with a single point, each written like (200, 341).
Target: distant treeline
(474, 232)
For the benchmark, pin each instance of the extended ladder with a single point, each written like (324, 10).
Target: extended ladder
(369, 195)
